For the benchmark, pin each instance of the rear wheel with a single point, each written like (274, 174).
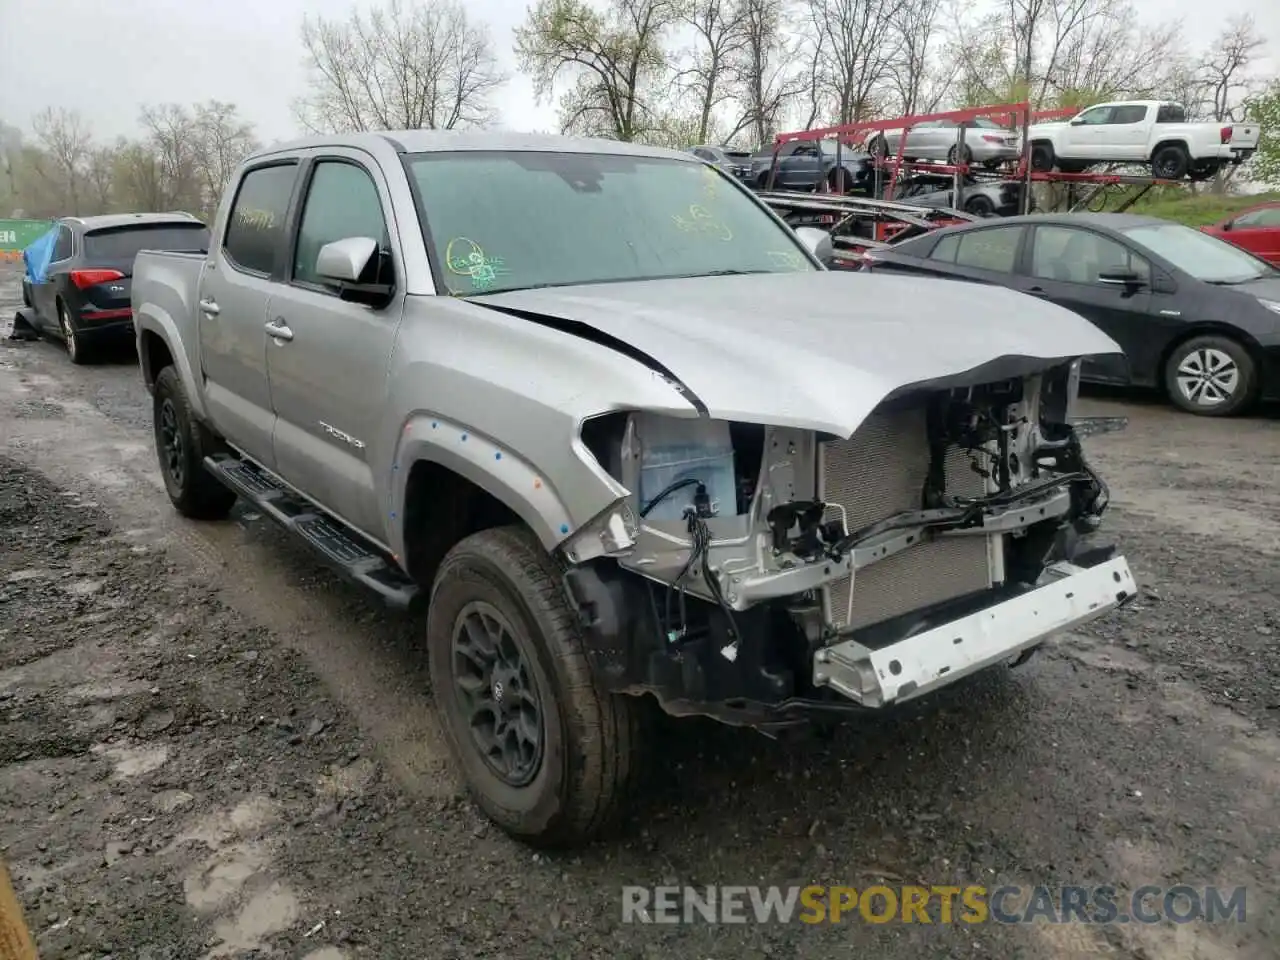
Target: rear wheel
(182, 444)
(79, 349)
(1212, 376)
(1170, 162)
(980, 206)
(545, 753)
(959, 155)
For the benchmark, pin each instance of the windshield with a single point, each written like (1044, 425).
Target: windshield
(515, 220)
(1204, 257)
(123, 243)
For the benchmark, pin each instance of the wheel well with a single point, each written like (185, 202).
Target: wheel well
(440, 508)
(154, 356)
(1234, 334)
(1169, 143)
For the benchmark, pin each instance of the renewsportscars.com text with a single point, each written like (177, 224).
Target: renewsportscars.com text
(934, 904)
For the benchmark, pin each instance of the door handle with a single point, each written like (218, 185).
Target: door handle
(278, 329)
(210, 307)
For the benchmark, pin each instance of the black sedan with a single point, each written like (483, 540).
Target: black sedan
(82, 296)
(1195, 316)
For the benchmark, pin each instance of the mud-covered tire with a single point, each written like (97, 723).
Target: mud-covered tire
(1216, 356)
(589, 740)
(191, 488)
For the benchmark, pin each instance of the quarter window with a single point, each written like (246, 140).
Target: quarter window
(342, 202)
(1078, 256)
(256, 224)
(62, 247)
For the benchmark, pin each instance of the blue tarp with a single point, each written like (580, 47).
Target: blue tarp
(37, 254)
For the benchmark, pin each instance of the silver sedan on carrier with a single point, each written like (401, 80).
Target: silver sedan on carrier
(986, 142)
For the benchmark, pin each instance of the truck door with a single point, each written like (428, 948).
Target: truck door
(1085, 135)
(1127, 133)
(329, 357)
(233, 297)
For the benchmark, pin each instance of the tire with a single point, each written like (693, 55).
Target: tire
(1219, 356)
(878, 148)
(79, 350)
(965, 155)
(1203, 172)
(26, 293)
(980, 206)
(576, 774)
(194, 491)
(1170, 162)
(1042, 156)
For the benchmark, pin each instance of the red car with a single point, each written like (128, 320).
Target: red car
(1256, 230)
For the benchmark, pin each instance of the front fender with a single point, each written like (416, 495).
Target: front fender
(498, 470)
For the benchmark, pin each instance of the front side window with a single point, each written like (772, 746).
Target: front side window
(1079, 256)
(519, 219)
(256, 224)
(1096, 115)
(1200, 255)
(342, 202)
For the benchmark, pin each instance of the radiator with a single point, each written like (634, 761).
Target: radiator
(879, 471)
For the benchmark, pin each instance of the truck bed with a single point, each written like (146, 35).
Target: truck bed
(167, 282)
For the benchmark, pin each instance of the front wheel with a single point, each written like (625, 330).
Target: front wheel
(1211, 376)
(544, 751)
(980, 206)
(1042, 157)
(181, 444)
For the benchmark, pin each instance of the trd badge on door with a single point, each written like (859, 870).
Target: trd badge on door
(340, 435)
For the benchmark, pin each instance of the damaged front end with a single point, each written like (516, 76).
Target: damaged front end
(764, 575)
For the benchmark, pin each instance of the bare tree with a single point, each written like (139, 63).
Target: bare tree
(856, 44)
(421, 67)
(1111, 54)
(1224, 72)
(614, 55)
(919, 82)
(718, 35)
(171, 135)
(100, 178)
(66, 140)
(221, 141)
(761, 72)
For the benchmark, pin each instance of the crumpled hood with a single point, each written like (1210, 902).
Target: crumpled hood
(819, 351)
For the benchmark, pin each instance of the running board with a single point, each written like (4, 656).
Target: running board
(344, 549)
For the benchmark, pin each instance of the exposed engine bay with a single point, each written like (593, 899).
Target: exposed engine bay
(753, 552)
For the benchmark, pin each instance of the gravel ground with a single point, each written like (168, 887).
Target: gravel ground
(211, 747)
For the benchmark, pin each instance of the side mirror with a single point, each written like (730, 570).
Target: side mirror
(352, 264)
(818, 242)
(1120, 277)
(346, 260)
(1227, 226)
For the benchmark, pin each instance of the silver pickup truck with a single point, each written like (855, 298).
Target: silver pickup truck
(612, 422)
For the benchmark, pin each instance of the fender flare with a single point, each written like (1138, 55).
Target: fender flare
(159, 322)
(494, 468)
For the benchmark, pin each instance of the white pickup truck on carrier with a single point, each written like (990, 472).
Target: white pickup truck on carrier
(1142, 131)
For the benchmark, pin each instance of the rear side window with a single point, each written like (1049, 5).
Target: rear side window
(123, 243)
(1131, 113)
(995, 250)
(1171, 113)
(256, 224)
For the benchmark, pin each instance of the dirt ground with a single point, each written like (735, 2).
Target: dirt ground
(210, 747)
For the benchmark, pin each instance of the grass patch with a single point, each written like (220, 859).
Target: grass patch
(1177, 204)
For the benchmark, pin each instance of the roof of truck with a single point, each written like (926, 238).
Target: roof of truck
(435, 141)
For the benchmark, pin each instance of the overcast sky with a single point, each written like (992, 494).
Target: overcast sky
(107, 57)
